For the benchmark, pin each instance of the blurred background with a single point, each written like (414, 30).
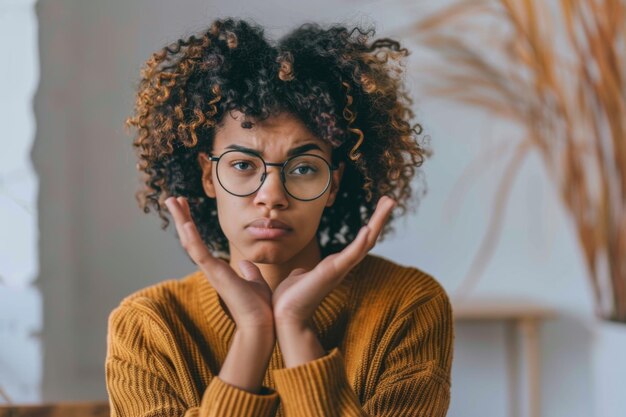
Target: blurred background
(534, 259)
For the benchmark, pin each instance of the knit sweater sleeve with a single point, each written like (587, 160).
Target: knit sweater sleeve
(142, 379)
(414, 380)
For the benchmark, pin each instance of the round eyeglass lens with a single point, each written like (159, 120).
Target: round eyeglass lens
(240, 173)
(306, 176)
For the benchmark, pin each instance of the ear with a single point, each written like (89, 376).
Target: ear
(334, 184)
(207, 174)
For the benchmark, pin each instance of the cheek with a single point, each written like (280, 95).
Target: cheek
(229, 213)
(311, 214)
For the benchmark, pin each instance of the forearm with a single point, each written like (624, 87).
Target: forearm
(248, 358)
(299, 344)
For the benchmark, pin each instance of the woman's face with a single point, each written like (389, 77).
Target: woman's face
(244, 220)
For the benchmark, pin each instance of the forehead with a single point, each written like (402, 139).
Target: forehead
(274, 135)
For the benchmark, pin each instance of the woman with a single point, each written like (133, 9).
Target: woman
(280, 165)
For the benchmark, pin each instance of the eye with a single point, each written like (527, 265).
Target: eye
(242, 165)
(303, 170)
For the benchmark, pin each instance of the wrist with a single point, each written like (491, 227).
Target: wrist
(261, 335)
(299, 344)
(292, 324)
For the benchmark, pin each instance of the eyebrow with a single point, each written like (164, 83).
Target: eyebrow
(294, 151)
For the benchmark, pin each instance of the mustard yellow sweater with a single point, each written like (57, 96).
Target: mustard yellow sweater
(387, 331)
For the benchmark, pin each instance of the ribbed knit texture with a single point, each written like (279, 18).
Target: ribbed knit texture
(387, 331)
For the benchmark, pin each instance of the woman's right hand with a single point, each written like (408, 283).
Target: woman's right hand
(249, 300)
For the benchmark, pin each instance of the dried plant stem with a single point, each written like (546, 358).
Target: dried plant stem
(562, 77)
(5, 397)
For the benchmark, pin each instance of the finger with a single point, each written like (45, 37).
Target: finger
(216, 270)
(196, 247)
(179, 220)
(351, 255)
(250, 271)
(333, 268)
(379, 218)
(297, 271)
(355, 251)
(184, 203)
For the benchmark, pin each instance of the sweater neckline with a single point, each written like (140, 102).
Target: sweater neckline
(324, 319)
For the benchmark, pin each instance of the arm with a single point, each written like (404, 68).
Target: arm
(143, 380)
(414, 381)
(247, 359)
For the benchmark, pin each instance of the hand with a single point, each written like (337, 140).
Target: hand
(297, 297)
(247, 299)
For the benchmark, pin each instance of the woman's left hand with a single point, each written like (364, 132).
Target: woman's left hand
(297, 297)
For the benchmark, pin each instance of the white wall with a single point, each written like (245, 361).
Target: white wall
(96, 246)
(20, 300)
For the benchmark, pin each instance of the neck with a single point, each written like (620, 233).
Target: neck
(275, 273)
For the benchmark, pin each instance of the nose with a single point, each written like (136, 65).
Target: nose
(272, 194)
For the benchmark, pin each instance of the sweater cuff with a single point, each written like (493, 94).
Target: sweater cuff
(223, 399)
(317, 388)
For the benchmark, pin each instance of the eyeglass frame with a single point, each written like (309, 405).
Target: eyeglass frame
(282, 165)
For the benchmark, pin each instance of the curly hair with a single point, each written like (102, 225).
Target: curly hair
(346, 89)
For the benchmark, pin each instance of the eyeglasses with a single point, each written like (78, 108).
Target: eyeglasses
(305, 177)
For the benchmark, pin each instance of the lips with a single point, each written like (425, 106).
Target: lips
(268, 229)
(266, 223)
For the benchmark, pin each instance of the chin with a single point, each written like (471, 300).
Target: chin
(272, 252)
(269, 254)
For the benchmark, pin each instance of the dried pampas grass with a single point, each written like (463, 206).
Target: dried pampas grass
(558, 69)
